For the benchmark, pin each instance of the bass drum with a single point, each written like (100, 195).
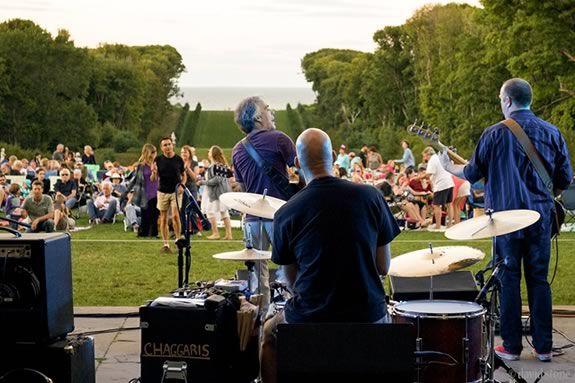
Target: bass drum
(451, 327)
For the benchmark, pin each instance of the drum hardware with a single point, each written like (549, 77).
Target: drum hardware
(263, 207)
(491, 225)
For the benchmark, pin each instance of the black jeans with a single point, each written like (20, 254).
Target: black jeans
(149, 226)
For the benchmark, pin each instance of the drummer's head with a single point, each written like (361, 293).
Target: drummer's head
(254, 114)
(315, 156)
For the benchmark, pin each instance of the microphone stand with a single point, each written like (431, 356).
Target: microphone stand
(188, 215)
(16, 233)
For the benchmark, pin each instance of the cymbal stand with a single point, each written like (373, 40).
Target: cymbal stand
(491, 361)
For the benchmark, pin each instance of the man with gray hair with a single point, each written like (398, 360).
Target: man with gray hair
(512, 182)
(254, 118)
(333, 270)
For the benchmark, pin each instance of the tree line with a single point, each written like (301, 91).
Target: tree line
(445, 66)
(52, 91)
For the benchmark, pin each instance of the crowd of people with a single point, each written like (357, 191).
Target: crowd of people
(421, 196)
(48, 194)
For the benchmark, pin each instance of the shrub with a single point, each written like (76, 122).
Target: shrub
(124, 140)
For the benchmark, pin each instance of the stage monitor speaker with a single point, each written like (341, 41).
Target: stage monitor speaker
(354, 352)
(458, 285)
(69, 360)
(35, 287)
(175, 330)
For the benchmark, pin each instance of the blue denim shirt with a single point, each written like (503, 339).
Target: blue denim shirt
(511, 181)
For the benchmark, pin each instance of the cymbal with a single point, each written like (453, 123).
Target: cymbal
(245, 255)
(251, 203)
(442, 260)
(502, 222)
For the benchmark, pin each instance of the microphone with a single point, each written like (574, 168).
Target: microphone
(490, 282)
(196, 209)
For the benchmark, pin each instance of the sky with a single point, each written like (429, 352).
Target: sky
(223, 43)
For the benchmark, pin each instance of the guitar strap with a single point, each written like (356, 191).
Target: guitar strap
(534, 157)
(278, 179)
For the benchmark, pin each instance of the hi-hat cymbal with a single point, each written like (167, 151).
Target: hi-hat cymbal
(245, 255)
(251, 203)
(440, 260)
(500, 223)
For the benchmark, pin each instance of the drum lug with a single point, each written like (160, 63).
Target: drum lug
(418, 344)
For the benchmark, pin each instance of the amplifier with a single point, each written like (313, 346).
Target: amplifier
(35, 287)
(204, 337)
(458, 285)
(70, 360)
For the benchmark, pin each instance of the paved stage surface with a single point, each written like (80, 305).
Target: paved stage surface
(118, 353)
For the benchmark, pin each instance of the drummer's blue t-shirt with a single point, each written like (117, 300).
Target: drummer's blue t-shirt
(331, 230)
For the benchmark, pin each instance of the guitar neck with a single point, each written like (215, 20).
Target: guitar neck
(456, 158)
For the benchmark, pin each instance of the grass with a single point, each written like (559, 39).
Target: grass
(114, 268)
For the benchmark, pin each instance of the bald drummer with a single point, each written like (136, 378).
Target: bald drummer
(334, 239)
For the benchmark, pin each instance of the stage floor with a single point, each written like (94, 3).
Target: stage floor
(118, 353)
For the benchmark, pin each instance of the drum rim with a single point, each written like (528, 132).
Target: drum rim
(414, 314)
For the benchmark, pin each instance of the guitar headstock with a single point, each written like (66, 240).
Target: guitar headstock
(429, 135)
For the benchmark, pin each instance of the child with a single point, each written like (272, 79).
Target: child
(62, 218)
(13, 201)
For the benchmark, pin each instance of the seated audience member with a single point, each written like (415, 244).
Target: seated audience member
(13, 202)
(41, 176)
(317, 269)
(102, 209)
(39, 209)
(402, 198)
(18, 169)
(88, 156)
(358, 175)
(118, 187)
(66, 187)
(3, 189)
(132, 214)
(62, 219)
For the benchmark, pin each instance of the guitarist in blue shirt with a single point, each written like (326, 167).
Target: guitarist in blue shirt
(513, 182)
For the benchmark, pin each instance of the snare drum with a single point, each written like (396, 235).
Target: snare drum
(451, 327)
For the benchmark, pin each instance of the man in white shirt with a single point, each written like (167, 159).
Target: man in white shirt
(103, 208)
(442, 186)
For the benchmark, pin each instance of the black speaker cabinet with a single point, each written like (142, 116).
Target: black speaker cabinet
(458, 285)
(35, 287)
(176, 331)
(69, 360)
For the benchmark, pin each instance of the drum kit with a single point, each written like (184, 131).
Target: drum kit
(462, 333)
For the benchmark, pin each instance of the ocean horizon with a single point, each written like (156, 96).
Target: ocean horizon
(227, 98)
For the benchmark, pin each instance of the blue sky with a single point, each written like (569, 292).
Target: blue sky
(253, 43)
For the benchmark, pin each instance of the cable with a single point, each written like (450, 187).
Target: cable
(135, 380)
(97, 332)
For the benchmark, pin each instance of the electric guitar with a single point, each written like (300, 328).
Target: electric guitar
(431, 137)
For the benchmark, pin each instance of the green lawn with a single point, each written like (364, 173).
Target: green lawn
(115, 268)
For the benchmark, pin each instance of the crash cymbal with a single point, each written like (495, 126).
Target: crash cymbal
(251, 203)
(436, 261)
(500, 223)
(245, 255)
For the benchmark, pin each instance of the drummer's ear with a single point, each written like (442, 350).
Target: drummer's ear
(296, 162)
